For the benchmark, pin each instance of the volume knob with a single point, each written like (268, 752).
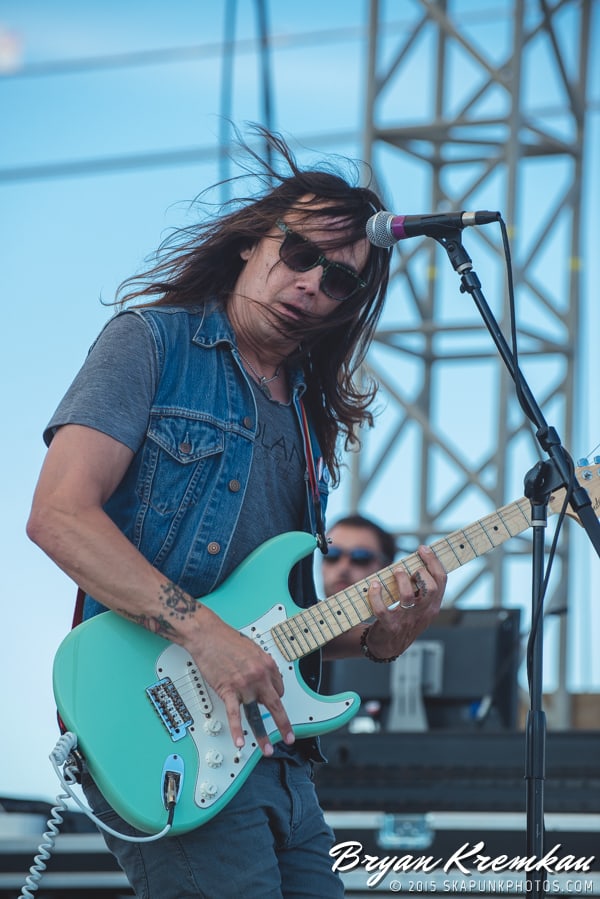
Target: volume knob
(214, 758)
(208, 790)
(213, 726)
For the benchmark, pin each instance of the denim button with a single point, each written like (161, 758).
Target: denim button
(234, 485)
(247, 422)
(214, 548)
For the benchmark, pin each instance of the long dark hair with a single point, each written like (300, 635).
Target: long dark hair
(201, 264)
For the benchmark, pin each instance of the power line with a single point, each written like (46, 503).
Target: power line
(108, 164)
(170, 55)
(214, 49)
(175, 157)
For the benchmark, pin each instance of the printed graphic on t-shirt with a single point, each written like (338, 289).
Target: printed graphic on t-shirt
(283, 450)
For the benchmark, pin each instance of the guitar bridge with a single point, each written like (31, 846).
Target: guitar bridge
(170, 707)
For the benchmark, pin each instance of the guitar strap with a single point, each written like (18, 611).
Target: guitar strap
(78, 610)
(77, 619)
(314, 472)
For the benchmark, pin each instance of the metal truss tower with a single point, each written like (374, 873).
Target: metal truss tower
(495, 121)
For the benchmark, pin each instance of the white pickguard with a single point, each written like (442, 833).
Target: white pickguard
(219, 761)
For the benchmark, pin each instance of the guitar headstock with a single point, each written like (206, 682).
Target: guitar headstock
(588, 476)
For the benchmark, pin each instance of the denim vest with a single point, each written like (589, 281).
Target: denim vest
(179, 500)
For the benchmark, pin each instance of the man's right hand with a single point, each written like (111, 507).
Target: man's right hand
(243, 675)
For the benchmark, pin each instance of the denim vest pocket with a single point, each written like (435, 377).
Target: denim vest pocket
(177, 460)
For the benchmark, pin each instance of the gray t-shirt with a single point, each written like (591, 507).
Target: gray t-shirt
(113, 393)
(114, 388)
(275, 496)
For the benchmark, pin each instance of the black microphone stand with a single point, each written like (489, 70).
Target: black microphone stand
(540, 483)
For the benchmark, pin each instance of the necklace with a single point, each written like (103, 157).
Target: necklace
(262, 381)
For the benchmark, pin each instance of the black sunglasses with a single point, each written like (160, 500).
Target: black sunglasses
(339, 282)
(357, 556)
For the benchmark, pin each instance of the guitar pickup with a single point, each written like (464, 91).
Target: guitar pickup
(170, 707)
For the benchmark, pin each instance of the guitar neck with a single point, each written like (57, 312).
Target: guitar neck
(314, 627)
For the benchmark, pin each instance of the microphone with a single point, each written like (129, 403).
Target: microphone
(385, 229)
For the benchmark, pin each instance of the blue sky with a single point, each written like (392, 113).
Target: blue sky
(66, 239)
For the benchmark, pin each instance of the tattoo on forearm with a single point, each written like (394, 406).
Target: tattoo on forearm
(155, 624)
(177, 601)
(178, 605)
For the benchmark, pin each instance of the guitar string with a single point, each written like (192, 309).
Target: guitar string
(502, 528)
(345, 602)
(445, 551)
(505, 523)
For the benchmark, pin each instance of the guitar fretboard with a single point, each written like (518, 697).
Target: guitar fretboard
(314, 627)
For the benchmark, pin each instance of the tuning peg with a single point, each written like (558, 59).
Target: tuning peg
(582, 462)
(596, 460)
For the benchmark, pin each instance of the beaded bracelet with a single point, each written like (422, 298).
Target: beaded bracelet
(367, 652)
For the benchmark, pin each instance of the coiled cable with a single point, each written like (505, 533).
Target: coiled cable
(63, 755)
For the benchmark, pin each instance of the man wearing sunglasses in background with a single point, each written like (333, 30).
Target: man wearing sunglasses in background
(358, 547)
(208, 418)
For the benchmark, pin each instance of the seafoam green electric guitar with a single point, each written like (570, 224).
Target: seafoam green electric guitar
(139, 706)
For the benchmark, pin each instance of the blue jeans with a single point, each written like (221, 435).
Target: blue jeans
(269, 842)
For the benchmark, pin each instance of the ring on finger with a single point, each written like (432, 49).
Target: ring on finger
(409, 605)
